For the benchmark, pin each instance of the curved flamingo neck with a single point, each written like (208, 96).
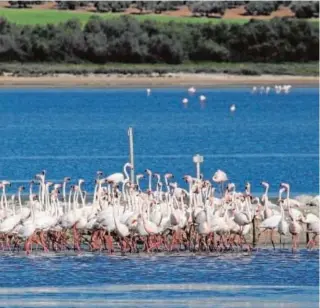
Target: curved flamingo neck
(125, 171)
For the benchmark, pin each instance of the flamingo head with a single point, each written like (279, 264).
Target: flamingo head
(99, 173)
(139, 176)
(265, 184)
(148, 171)
(66, 179)
(169, 175)
(4, 183)
(220, 176)
(156, 175)
(286, 186)
(80, 181)
(231, 186)
(187, 178)
(281, 190)
(21, 188)
(43, 172)
(129, 165)
(39, 176)
(33, 197)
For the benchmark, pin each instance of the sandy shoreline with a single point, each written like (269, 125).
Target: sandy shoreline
(168, 80)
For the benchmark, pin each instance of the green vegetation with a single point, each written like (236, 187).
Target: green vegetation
(40, 69)
(42, 17)
(127, 40)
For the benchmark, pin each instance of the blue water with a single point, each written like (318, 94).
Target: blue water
(262, 279)
(77, 132)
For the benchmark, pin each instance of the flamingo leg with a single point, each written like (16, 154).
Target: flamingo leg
(271, 233)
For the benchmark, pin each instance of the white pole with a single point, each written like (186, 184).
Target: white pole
(130, 133)
(198, 159)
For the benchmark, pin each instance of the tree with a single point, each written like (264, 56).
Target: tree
(306, 9)
(144, 6)
(68, 5)
(21, 4)
(111, 6)
(207, 8)
(165, 49)
(261, 7)
(161, 6)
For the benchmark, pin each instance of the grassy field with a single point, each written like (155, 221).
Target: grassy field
(34, 16)
(38, 69)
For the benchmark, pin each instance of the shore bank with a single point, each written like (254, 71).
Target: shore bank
(155, 80)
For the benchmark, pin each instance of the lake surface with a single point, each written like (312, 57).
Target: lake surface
(262, 279)
(77, 132)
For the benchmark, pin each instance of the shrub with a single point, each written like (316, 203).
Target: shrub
(305, 9)
(21, 4)
(261, 7)
(111, 6)
(207, 8)
(68, 5)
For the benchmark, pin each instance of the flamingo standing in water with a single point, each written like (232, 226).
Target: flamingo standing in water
(294, 226)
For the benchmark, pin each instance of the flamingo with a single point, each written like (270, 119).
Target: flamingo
(294, 226)
(233, 108)
(116, 178)
(313, 226)
(28, 228)
(220, 177)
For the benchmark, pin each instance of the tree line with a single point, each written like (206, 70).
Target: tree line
(301, 9)
(127, 40)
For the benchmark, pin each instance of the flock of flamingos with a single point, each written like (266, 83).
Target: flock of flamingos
(165, 217)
